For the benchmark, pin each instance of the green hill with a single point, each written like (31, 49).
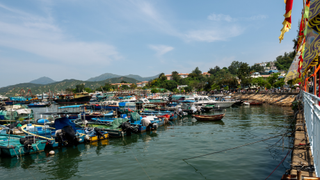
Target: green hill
(110, 75)
(59, 86)
(42, 80)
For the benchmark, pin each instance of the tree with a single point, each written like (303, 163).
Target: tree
(175, 76)
(188, 89)
(123, 81)
(273, 78)
(154, 91)
(133, 86)
(234, 66)
(215, 87)
(125, 87)
(89, 90)
(214, 71)
(257, 68)
(244, 74)
(197, 71)
(106, 87)
(79, 88)
(162, 77)
(279, 83)
(259, 82)
(284, 62)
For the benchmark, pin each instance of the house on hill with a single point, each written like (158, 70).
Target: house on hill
(142, 84)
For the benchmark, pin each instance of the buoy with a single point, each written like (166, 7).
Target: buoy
(51, 152)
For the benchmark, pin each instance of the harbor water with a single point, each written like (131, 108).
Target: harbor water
(161, 154)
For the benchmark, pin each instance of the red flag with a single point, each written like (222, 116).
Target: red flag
(287, 21)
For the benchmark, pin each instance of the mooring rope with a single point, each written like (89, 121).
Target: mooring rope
(279, 164)
(233, 147)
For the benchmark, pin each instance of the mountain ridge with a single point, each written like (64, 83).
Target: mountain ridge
(111, 75)
(59, 86)
(42, 80)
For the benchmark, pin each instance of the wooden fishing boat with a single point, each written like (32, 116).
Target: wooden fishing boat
(255, 103)
(209, 117)
(79, 98)
(14, 145)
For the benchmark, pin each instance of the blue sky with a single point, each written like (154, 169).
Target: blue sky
(64, 39)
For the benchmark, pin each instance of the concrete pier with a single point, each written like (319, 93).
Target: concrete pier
(301, 154)
(280, 99)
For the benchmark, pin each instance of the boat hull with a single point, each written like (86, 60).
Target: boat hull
(209, 118)
(80, 100)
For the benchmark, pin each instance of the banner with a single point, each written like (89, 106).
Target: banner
(287, 19)
(312, 46)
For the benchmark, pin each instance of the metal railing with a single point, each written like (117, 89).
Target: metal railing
(312, 118)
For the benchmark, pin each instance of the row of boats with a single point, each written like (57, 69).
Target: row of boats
(94, 121)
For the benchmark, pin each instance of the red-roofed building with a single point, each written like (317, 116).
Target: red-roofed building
(142, 84)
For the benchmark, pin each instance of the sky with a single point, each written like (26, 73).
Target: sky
(80, 39)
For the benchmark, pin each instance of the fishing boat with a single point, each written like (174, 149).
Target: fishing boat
(116, 128)
(209, 117)
(64, 132)
(15, 145)
(255, 103)
(79, 98)
(146, 123)
(39, 104)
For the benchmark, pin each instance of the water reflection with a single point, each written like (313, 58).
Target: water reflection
(179, 139)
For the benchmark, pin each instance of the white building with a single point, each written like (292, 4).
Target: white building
(142, 84)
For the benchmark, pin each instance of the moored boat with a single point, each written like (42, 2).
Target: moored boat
(39, 104)
(209, 117)
(255, 103)
(80, 98)
(15, 145)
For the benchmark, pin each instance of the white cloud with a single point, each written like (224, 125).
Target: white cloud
(148, 13)
(257, 17)
(215, 34)
(161, 49)
(41, 36)
(228, 18)
(220, 17)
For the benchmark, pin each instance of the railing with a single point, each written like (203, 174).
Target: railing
(312, 117)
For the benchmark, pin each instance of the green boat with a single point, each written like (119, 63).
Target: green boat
(111, 126)
(11, 145)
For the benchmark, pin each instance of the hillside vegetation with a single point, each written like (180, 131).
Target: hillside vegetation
(59, 86)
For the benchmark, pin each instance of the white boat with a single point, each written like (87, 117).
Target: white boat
(246, 103)
(221, 101)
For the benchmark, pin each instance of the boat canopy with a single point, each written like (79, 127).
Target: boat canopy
(72, 106)
(62, 122)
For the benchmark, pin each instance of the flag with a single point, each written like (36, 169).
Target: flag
(287, 19)
(310, 57)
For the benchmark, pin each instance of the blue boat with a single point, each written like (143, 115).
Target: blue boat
(39, 104)
(138, 121)
(14, 145)
(64, 133)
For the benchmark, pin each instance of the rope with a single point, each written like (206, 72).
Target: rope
(232, 148)
(279, 164)
(15, 152)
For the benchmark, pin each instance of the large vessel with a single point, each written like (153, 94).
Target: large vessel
(79, 98)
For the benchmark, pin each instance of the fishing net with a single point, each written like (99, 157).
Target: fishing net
(117, 122)
(134, 116)
(9, 115)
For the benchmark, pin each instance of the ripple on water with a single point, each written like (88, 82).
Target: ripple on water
(160, 154)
